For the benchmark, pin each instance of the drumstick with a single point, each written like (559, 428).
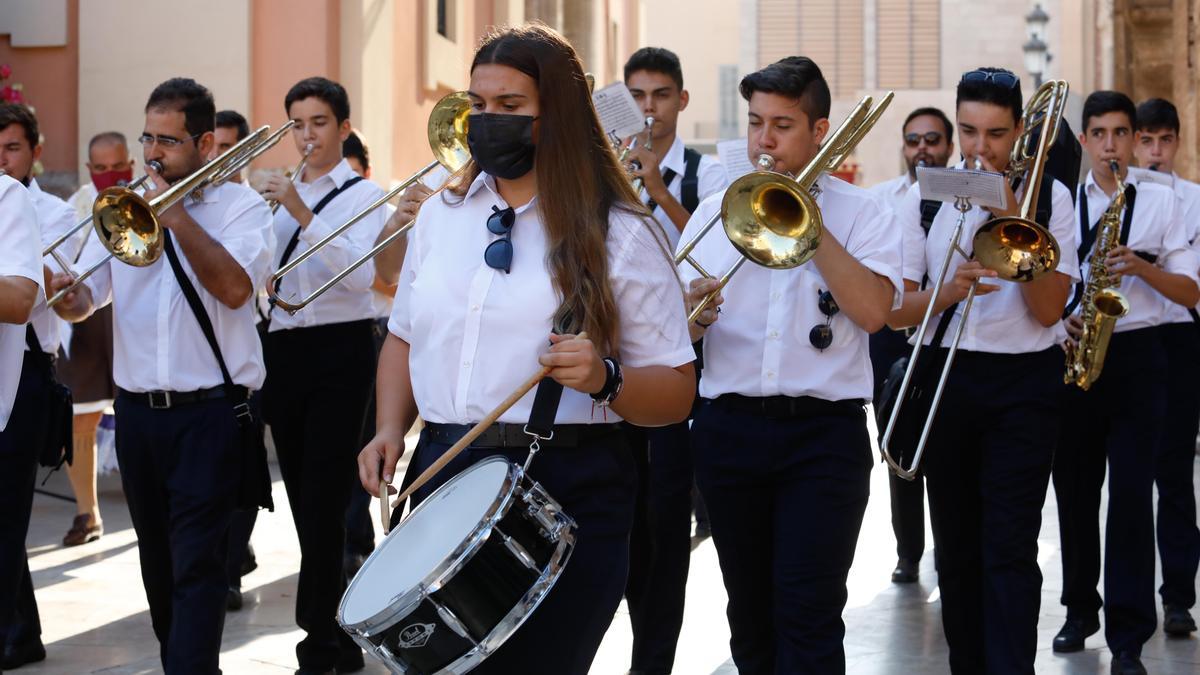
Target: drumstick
(475, 432)
(384, 511)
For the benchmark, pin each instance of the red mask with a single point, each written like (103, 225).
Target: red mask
(111, 178)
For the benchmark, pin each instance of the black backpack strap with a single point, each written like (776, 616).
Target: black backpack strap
(929, 211)
(1127, 224)
(241, 408)
(295, 239)
(690, 188)
(668, 176)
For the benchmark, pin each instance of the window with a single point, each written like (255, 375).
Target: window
(829, 32)
(909, 44)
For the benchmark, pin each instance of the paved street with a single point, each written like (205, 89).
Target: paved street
(95, 619)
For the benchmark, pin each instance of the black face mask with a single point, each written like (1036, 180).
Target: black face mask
(502, 145)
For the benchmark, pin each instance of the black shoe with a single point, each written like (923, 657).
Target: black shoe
(1178, 622)
(906, 572)
(250, 563)
(350, 661)
(1126, 663)
(233, 599)
(1071, 636)
(17, 655)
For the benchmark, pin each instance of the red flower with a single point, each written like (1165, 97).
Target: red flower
(5, 71)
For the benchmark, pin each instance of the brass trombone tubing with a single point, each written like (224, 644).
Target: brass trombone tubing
(295, 174)
(197, 180)
(50, 250)
(293, 307)
(252, 153)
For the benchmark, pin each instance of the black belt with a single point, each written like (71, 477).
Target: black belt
(789, 406)
(501, 435)
(163, 400)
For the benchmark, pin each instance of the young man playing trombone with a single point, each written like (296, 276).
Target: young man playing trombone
(1117, 419)
(990, 448)
(182, 440)
(780, 442)
(321, 360)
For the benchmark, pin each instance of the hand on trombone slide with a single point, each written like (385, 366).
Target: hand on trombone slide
(407, 207)
(698, 290)
(960, 284)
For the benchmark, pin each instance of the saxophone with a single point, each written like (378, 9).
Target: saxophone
(1102, 304)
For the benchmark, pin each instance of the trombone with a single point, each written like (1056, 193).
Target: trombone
(299, 168)
(447, 133)
(51, 249)
(637, 181)
(127, 223)
(771, 218)
(1017, 248)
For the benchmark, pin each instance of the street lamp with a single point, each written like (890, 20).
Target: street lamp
(1037, 52)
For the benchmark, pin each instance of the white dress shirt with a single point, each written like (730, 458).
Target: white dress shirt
(83, 199)
(55, 218)
(711, 178)
(20, 256)
(1188, 195)
(760, 345)
(1000, 322)
(1156, 229)
(157, 344)
(476, 333)
(891, 193)
(351, 299)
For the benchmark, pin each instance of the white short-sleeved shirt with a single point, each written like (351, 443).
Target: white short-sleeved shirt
(20, 256)
(1000, 322)
(711, 178)
(892, 192)
(1156, 229)
(475, 333)
(55, 218)
(1188, 195)
(351, 299)
(157, 344)
(760, 345)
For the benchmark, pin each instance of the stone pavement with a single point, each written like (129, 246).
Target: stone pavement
(95, 619)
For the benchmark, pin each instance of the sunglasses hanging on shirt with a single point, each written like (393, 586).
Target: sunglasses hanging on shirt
(499, 254)
(821, 335)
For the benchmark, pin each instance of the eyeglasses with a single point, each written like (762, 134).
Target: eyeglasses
(1003, 78)
(499, 254)
(930, 137)
(148, 140)
(821, 335)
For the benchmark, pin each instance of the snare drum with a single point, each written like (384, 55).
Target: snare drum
(461, 573)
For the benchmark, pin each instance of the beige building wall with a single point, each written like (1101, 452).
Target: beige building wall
(118, 69)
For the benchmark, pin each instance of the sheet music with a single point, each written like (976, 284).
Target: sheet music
(734, 156)
(983, 188)
(619, 114)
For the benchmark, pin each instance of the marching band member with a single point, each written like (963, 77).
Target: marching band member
(1155, 144)
(780, 441)
(1117, 422)
(180, 442)
(231, 128)
(321, 360)
(540, 232)
(676, 178)
(19, 149)
(24, 387)
(990, 451)
(928, 138)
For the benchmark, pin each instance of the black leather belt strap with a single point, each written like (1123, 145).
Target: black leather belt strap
(164, 400)
(789, 406)
(503, 435)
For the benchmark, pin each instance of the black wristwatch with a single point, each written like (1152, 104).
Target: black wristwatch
(613, 381)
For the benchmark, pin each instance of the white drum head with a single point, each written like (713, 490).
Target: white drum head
(424, 540)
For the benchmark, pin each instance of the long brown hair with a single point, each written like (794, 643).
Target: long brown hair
(579, 180)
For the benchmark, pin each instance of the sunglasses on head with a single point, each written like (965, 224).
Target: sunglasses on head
(821, 335)
(912, 140)
(1001, 77)
(499, 254)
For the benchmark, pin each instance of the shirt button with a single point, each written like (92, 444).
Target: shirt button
(770, 374)
(775, 295)
(474, 308)
(466, 364)
(774, 335)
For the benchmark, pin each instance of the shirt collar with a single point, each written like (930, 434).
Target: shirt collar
(338, 175)
(674, 158)
(35, 190)
(1131, 178)
(485, 180)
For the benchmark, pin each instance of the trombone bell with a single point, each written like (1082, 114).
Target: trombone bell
(770, 219)
(127, 226)
(1016, 249)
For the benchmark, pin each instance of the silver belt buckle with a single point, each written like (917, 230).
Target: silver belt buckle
(159, 400)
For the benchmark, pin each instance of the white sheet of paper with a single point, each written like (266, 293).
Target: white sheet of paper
(734, 156)
(619, 114)
(983, 188)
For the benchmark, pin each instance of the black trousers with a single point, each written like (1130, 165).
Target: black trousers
(1117, 422)
(595, 484)
(660, 545)
(181, 469)
(1178, 537)
(242, 525)
(786, 497)
(318, 379)
(20, 442)
(907, 496)
(988, 465)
